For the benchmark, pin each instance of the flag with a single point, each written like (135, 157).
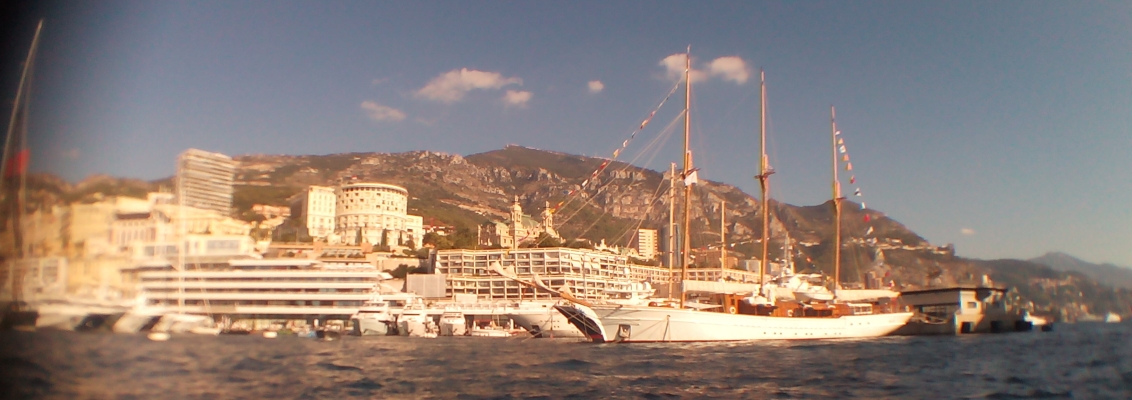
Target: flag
(852, 178)
(869, 231)
(692, 178)
(17, 165)
(857, 192)
(867, 219)
(842, 149)
(849, 166)
(839, 141)
(845, 158)
(837, 133)
(863, 205)
(616, 152)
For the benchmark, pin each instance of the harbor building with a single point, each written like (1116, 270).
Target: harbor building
(647, 243)
(376, 213)
(204, 180)
(959, 310)
(518, 229)
(588, 274)
(315, 208)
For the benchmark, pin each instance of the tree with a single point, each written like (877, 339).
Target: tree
(545, 240)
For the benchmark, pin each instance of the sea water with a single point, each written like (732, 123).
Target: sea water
(1078, 361)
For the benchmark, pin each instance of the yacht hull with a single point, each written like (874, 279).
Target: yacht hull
(656, 324)
(371, 327)
(546, 324)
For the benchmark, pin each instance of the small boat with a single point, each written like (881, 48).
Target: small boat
(158, 336)
(1112, 318)
(270, 334)
(327, 335)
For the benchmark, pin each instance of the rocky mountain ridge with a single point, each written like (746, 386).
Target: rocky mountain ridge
(468, 191)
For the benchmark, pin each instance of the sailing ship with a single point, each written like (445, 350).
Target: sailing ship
(729, 316)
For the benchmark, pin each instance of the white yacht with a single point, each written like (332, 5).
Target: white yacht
(414, 320)
(285, 288)
(374, 318)
(453, 323)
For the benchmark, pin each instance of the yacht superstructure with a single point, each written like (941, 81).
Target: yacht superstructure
(285, 288)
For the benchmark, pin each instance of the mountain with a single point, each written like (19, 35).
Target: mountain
(1108, 273)
(468, 191)
(1065, 295)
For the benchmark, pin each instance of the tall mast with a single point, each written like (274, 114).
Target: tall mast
(722, 234)
(671, 211)
(836, 204)
(15, 193)
(764, 176)
(685, 245)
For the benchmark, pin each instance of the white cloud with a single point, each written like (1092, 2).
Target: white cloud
(967, 231)
(517, 98)
(730, 68)
(674, 66)
(378, 112)
(451, 86)
(596, 86)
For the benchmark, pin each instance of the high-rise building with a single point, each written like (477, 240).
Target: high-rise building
(647, 243)
(204, 180)
(315, 208)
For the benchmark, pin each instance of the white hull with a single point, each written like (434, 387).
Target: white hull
(547, 324)
(452, 329)
(370, 327)
(135, 321)
(656, 324)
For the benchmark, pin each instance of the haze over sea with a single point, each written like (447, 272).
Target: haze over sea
(1074, 361)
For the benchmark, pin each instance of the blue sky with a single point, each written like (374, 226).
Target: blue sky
(1001, 127)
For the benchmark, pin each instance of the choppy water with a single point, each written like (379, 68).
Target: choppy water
(1079, 361)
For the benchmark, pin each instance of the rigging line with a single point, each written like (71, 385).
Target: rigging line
(652, 148)
(648, 209)
(624, 144)
(663, 137)
(657, 142)
(594, 176)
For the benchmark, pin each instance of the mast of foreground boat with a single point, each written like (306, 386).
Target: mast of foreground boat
(763, 177)
(723, 234)
(685, 245)
(671, 212)
(15, 199)
(836, 205)
(18, 117)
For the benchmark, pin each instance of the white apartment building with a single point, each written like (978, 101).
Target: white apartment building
(315, 208)
(647, 243)
(204, 180)
(367, 210)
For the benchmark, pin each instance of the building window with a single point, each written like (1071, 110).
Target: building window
(972, 304)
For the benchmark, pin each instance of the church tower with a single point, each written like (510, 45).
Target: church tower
(548, 221)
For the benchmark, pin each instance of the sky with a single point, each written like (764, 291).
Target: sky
(1001, 127)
